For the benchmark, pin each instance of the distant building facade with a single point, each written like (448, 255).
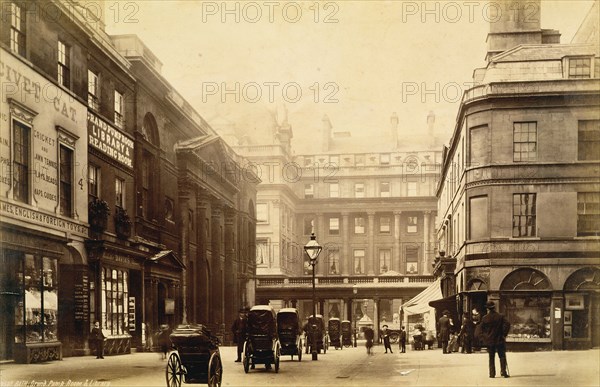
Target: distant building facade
(519, 188)
(371, 204)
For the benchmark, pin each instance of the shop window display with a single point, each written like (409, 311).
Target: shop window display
(529, 316)
(114, 301)
(36, 314)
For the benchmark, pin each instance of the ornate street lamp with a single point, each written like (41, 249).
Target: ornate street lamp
(313, 249)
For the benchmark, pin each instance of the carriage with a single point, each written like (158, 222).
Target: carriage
(262, 345)
(195, 357)
(334, 332)
(316, 327)
(288, 330)
(346, 327)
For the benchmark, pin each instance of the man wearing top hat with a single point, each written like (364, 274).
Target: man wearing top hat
(238, 328)
(444, 324)
(494, 328)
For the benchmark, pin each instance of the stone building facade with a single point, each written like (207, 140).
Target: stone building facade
(518, 198)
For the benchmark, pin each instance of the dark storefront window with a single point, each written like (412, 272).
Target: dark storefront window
(529, 315)
(114, 300)
(36, 314)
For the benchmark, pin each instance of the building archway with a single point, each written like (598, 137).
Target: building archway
(582, 309)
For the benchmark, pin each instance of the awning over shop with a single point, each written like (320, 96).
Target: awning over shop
(420, 303)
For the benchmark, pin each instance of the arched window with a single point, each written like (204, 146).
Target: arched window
(477, 284)
(583, 279)
(526, 279)
(150, 129)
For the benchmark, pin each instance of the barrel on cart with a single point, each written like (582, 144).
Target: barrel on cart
(195, 357)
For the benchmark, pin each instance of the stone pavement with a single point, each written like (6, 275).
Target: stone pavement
(348, 367)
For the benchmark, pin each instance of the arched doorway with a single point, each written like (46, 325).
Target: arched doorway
(582, 309)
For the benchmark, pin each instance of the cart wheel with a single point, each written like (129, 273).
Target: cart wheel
(299, 353)
(215, 370)
(277, 356)
(174, 371)
(394, 337)
(246, 358)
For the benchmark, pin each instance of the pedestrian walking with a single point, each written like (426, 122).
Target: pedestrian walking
(238, 328)
(494, 329)
(444, 325)
(98, 338)
(386, 339)
(163, 340)
(402, 340)
(369, 336)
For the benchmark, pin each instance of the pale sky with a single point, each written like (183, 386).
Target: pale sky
(371, 58)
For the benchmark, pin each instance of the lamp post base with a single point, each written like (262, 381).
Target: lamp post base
(314, 356)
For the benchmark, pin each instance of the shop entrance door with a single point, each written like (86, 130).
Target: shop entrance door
(595, 311)
(10, 296)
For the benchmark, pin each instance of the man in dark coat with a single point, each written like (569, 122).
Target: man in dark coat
(97, 337)
(402, 340)
(494, 329)
(466, 334)
(444, 324)
(239, 333)
(386, 339)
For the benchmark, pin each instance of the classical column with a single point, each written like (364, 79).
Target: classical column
(370, 261)
(321, 233)
(345, 260)
(376, 317)
(229, 272)
(202, 230)
(217, 267)
(396, 261)
(426, 232)
(184, 199)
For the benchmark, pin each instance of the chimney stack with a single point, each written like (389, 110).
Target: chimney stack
(513, 22)
(394, 129)
(431, 129)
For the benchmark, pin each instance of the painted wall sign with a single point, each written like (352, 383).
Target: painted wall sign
(110, 140)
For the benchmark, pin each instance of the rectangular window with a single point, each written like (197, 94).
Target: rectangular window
(93, 180)
(384, 224)
(119, 110)
(64, 65)
(588, 140)
(309, 226)
(262, 212)
(384, 158)
(580, 67)
(384, 260)
(525, 141)
(411, 188)
(384, 189)
(21, 160)
(588, 213)
(262, 252)
(17, 29)
(146, 173)
(359, 190)
(93, 90)
(114, 298)
(524, 215)
(478, 218)
(334, 226)
(411, 224)
(412, 259)
(66, 181)
(333, 261)
(120, 192)
(359, 261)
(309, 191)
(334, 190)
(359, 225)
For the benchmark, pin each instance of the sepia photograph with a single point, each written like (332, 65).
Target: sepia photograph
(299, 193)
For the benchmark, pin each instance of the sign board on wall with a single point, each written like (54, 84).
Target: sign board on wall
(169, 306)
(110, 140)
(131, 313)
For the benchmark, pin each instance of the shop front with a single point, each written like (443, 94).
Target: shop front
(115, 294)
(581, 317)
